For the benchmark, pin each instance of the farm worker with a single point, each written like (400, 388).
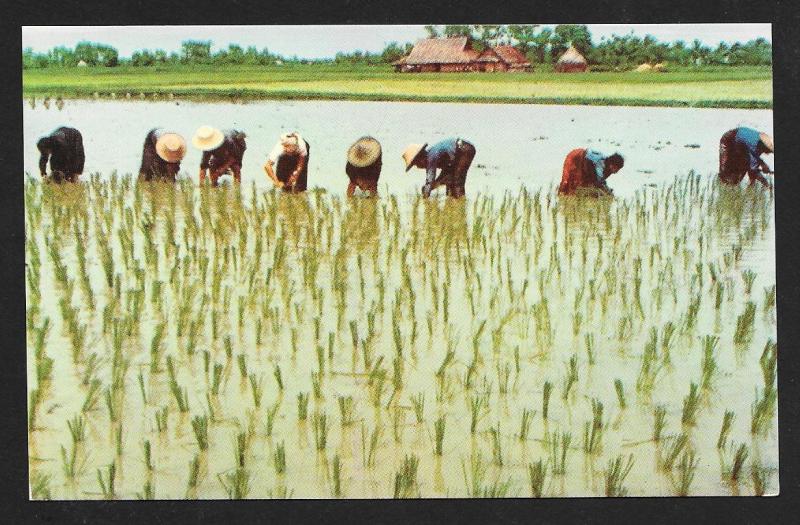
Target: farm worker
(222, 152)
(161, 155)
(364, 166)
(587, 168)
(453, 156)
(64, 148)
(287, 163)
(740, 151)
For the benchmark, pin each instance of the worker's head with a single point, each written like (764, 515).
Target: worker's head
(415, 155)
(614, 163)
(290, 143)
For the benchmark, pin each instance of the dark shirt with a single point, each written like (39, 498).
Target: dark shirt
(153, 166)
(230, 152)
(440, 155)
(64, 148)
(749, 140)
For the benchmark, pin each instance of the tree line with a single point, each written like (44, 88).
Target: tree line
(541, 45)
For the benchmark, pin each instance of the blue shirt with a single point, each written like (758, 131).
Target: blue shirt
(440, 155)
(750, 139)
(599, 162)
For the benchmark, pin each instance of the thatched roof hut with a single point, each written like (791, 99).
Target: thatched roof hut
(440, 54)
(571, 61)
(513, 57)
(457, 54)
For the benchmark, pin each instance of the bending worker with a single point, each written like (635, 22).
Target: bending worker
(287, 163)
(364, 162)
(64, 149)
(453, 156)
(740, 151)
(161, 155)
(588, 169)
(222, 153)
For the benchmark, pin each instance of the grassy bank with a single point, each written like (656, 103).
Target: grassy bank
(712, 87)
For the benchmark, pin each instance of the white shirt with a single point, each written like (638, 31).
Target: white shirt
(277, 150)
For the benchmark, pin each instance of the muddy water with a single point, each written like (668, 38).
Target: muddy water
(503, 259)
(516, 144)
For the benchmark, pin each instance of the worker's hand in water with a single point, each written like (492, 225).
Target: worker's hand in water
(278, 184)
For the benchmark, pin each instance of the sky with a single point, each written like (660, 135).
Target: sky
(325, 41)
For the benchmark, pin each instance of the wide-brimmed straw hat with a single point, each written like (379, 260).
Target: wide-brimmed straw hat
(411, 153)
(364, 152)
(207, 138)
(171, 147)
(767, 140)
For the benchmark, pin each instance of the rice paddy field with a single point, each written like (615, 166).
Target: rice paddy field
(718, 87)
(189, 342)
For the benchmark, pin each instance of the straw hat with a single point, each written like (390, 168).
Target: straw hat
(411, 153)
(767, 140)
(171, 147)
(207, 138)
(364, 152)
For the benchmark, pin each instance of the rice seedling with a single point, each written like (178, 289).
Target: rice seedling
(593, 431)
(525, 424)
(763, 410)
(537, 474)
(148, 456)
(748, 276)
(302, 406)
(709, 362)
(760, 476)
(236, 483)
(194, 475)
(439, 427)
(337, 476)
(241, 359)
(405, 479)
(659, 421)
(200, 428)
(346, 406)
(671, 451)
(739, 457)
(418, 404)
(161, 417)
(615, 475)
(319, 423)
(548, 387)
(91, 396)
(40, 486)
(257, 389)
(475, 480)
(744, 324)
(216, 379)
(725, 430)
(620, 393)
(279, 458)
(690, 405)
(477, 406)
(571, 376)
(497, 451)
(558, 444)
(279, 379)
(107, 482)
(77, 429)
(687, 467)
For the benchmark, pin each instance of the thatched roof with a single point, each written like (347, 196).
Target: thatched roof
(511, 55)
(442, 51)
(571, 56)
(488, 55)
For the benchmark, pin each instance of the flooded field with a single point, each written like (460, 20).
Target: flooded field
(516, 144)
(193, 343)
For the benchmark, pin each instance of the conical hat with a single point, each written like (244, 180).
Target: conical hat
(767, 140)
(411, 153)
(207, 138)
(171, 147)
(364, 152)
